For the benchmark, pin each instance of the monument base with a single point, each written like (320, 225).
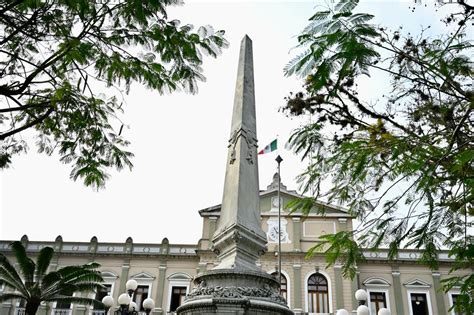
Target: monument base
(251, 293)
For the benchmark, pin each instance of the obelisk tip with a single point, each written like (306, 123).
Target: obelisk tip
(246, 38)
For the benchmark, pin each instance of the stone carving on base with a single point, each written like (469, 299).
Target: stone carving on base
(236, 292)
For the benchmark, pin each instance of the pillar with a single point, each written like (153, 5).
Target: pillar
(297, 288)
(338, 285)
(124, 275)
(397, 289)
(212, 229)
(296, 234)
(159, 309)
(355, 287)
(439, 293)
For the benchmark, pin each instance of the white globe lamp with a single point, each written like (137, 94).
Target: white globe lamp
(131, 285)
(384, 311)
(361, 295)
(342, 312)
(108, 301)
(363, 310)
(148, 305)
(124, 299)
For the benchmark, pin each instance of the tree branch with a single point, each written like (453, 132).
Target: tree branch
(36, 121)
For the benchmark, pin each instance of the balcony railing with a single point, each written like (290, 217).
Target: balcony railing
(20, 311)
(98, 312)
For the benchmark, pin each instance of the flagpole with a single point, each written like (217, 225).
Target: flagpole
(279, 160)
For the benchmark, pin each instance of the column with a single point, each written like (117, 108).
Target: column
(439, 293)
(159, 307)
(124, 275)
(297, 288)
(202, 267)
(338, 285)
(296, 234)
(355, 287)
(212, 229)
(397, 288)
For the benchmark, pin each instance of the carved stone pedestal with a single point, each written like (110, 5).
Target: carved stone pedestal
(227, 291)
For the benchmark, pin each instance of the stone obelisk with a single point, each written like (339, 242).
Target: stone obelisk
(237, 285)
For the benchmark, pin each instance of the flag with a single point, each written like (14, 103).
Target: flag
(269, 148)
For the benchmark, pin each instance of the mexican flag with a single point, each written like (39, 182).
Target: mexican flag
(269, 148)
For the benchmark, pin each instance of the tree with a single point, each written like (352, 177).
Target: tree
(34, 285)
(57, 56)
(403, 165)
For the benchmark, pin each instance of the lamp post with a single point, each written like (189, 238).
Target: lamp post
(361, 296)
(362, 309)
(127, 306)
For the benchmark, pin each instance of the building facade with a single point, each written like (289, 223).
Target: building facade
(165, 271)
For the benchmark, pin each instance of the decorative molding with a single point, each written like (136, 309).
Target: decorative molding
(417, 283)
(306, 228)
(236, 292)
(180, 276)
(145, 276)
(109, 275)
(250, 139)
(376, 282)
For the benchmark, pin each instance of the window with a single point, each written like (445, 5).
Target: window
(140, 294)
(419, 304)
(377, 301)
(178, 287)
(318, 294)
(177, 297)
(453, 298)
(378, 294)
(284, 285)
(144, 288)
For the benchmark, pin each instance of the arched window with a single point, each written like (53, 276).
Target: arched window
(178, 288)
(318, 294)
(284, 285)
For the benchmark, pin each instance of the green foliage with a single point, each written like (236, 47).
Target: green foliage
(56, 55)
(338, 245)
(403, 166)
(35, 285)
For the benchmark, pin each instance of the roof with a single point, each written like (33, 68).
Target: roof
(272, 189)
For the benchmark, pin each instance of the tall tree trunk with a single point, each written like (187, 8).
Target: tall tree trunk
(31, 307)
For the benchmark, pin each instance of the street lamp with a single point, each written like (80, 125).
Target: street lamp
(362, 309)
(127, 306)
(361, 296)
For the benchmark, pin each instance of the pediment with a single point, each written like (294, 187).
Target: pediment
(179, 276)
(417, 283)
(108, 274)
(143, 276)
(330, 210)
(376, 282)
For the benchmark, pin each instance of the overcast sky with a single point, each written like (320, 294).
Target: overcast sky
(180, 140)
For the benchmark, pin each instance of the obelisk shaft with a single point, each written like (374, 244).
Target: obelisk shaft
(239, 239)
